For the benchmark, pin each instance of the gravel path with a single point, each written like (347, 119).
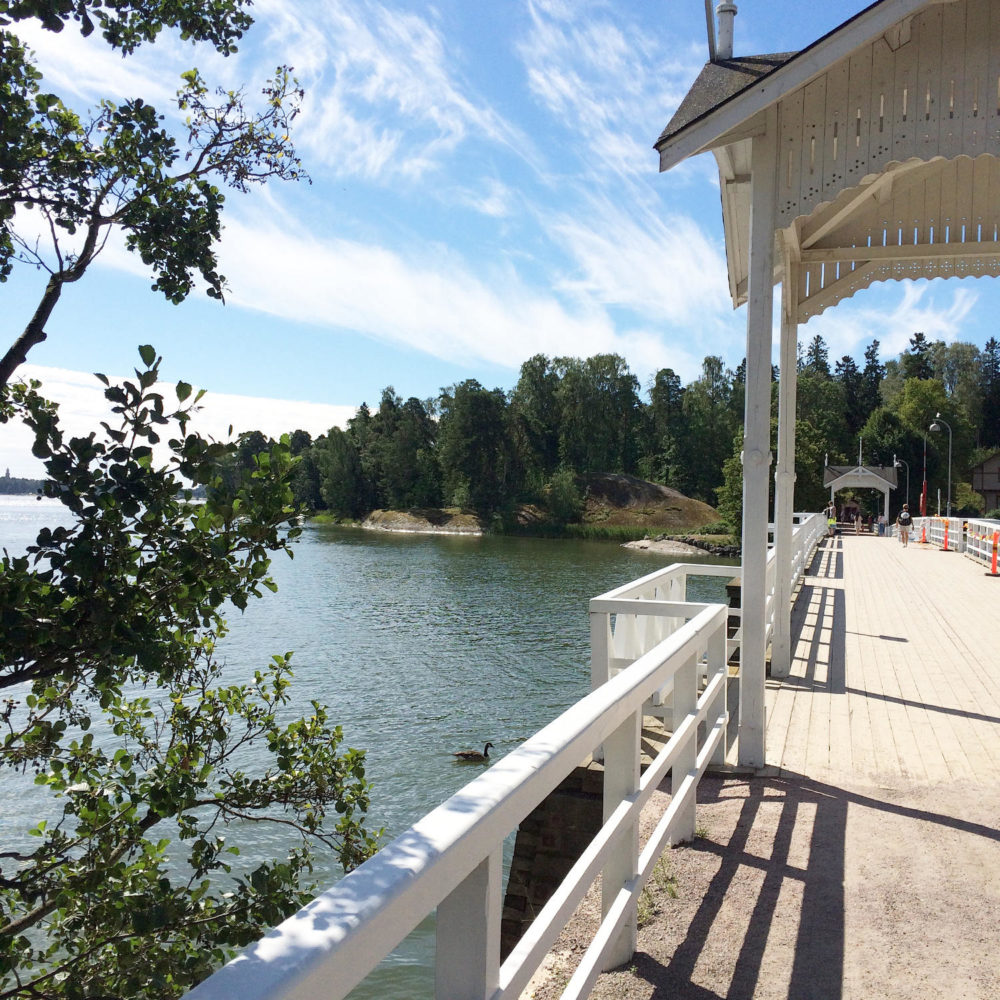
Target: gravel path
(801, 890)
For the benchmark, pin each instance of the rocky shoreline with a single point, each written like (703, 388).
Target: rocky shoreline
(423, 522)
(677, 545)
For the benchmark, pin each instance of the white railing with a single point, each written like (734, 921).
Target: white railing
(451, 859)
(945, 532)
(982, 539)
(627, 621)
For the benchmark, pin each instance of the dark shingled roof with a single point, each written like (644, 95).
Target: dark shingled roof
(886, 472)
(719, 82)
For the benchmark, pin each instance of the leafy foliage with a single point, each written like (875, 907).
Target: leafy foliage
(569, 416)
(117, 707)
(125, 25)
(120, 167)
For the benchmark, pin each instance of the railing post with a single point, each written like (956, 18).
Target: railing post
(685, 703)
(717, 665)
(600, 648)
(467, 959)
(621, 778)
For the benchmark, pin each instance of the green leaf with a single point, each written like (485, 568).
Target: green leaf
(183, 391)
(148, 354)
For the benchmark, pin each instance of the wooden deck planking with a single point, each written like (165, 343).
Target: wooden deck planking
(894, 671)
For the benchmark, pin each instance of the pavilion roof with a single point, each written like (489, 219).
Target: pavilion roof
(717, 83)
(860, 475)
(751, 83)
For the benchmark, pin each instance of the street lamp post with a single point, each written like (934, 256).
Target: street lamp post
(936, 426)
(896, 463)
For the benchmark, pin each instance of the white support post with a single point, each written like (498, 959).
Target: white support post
(467, 954)
(757, 443)
(784, 476)
(621, 778)
(685, 703)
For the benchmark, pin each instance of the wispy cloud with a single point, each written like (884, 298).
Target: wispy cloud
(663, 267)
(937, 310)
(604, 78)
(430, 301)
(385, 97)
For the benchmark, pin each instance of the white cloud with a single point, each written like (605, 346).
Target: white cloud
(429, 301)
(605, 79)
(384, 98)
(82, 407)
(493, 198)
(89, 69)
(851, 326)
(663, 267)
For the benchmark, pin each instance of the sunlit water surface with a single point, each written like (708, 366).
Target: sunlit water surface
(420, 645)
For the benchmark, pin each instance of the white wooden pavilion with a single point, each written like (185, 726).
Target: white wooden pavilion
(870, 155)
(862, 477)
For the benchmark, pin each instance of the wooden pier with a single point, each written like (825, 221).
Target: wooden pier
(863, 863)
(896, 667)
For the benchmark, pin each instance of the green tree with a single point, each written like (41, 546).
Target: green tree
(120, 168)
(811, 450)
(474, 447)
(563, 498)
(730, 490)
(665, 430)
(341, 480)
(109, 634)
(599, 414)
(710, 426)
(411, 475)
(816, 359)
(871, 380)
(534, 410)
(916, 362)
(821, 402)
(851, 380)
(989, 387)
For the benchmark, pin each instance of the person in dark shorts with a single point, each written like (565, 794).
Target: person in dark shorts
(904, 522)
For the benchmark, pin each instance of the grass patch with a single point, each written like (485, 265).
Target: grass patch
(662, 884)
(325, 517)
(586, 532)
(607, 532)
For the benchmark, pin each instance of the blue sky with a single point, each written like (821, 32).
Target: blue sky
(484, 189)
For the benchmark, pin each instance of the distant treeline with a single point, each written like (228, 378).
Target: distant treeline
(12, 484)
(489, 450)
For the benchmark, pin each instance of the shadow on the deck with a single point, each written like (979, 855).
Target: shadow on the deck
(818, 967)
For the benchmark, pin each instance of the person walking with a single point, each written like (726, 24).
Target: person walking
(904, 522)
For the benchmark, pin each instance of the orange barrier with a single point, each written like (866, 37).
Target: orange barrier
(946, 522)
(996, 539)
(923, 533)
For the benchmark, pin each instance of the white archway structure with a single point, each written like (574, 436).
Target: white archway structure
(870, 155)
(863, 477)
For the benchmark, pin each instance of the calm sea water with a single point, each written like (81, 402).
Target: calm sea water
(420, 645)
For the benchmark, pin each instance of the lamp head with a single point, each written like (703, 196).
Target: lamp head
(935, 426)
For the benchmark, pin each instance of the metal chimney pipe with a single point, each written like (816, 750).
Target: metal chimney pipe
(726, 13)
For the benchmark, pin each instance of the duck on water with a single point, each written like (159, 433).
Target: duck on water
(473, 756)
